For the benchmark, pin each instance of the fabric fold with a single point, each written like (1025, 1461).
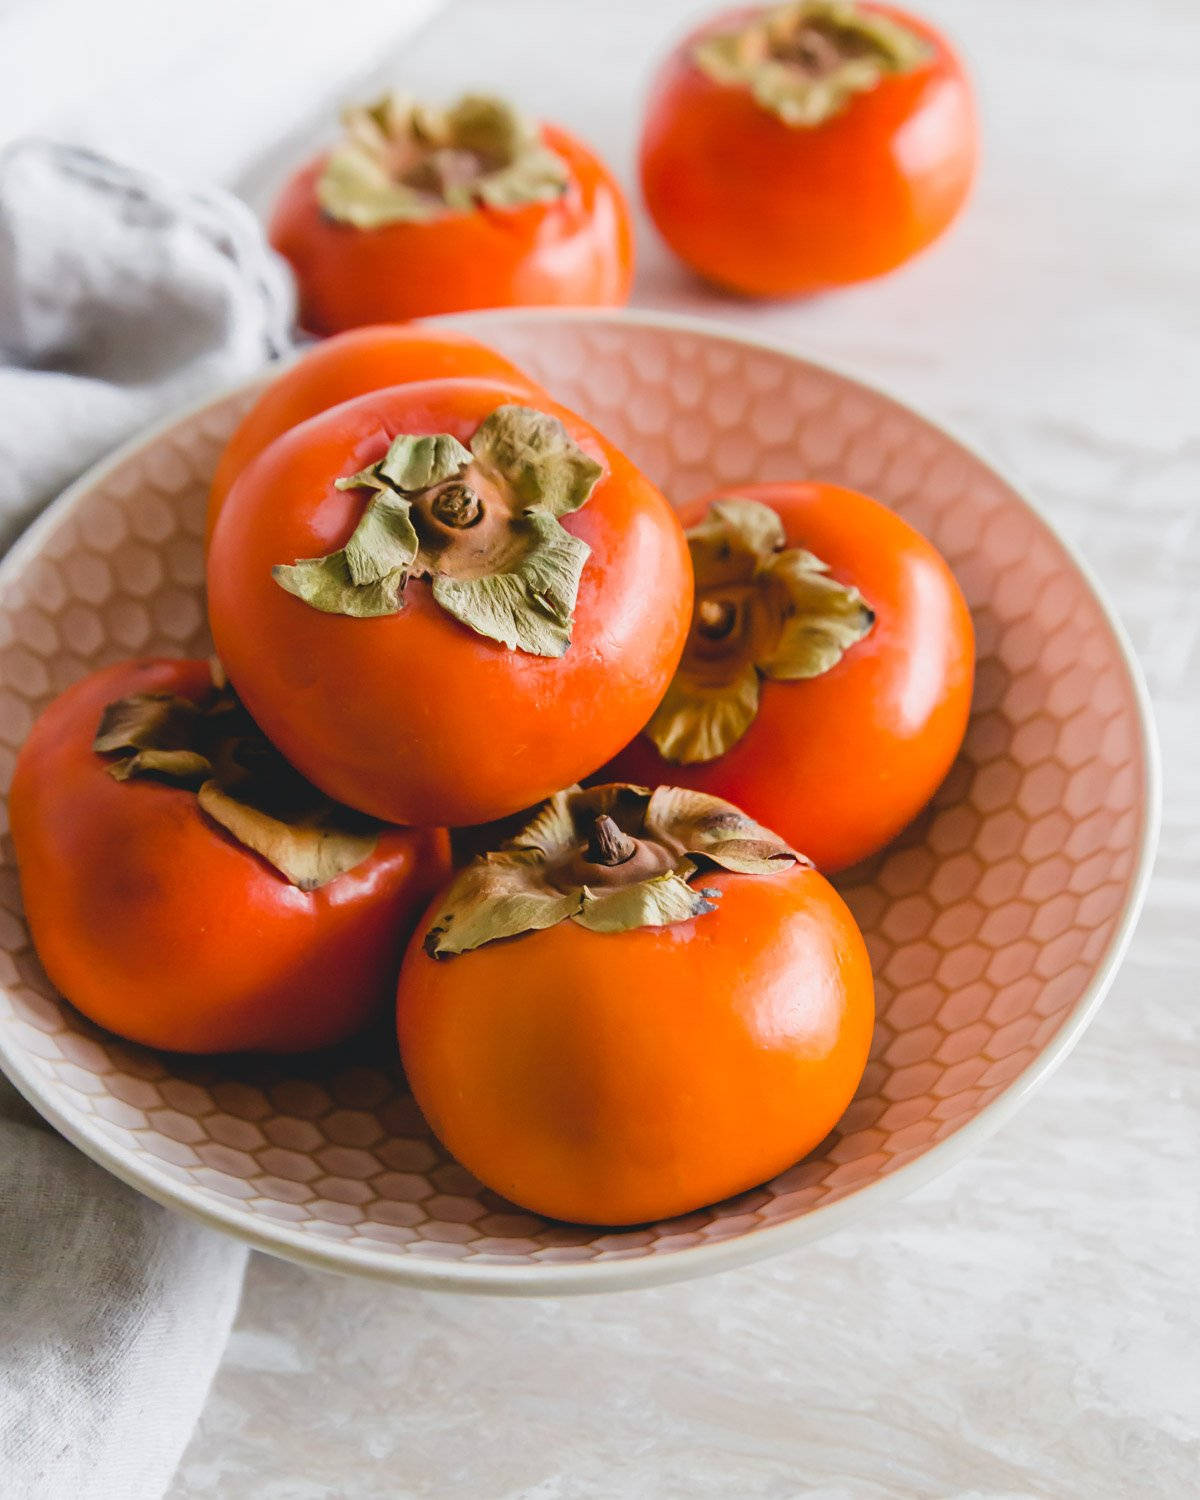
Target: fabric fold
(122, 298)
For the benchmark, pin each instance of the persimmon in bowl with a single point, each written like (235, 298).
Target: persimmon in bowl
(994, 921)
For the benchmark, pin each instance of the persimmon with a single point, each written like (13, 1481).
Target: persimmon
(347, 365)
(420, 211)
(794, 148)
(186, 889)
(442, 603)
(683, 1008)
(826, 682)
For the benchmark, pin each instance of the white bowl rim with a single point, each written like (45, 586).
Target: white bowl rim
(550, 1279)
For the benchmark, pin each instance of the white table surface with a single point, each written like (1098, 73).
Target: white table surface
(1028, 1325)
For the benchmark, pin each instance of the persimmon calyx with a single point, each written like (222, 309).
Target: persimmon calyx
(240, 780)
(610, 858)
(762, 610)
(404, 162)
(805, 62)
(481, 524)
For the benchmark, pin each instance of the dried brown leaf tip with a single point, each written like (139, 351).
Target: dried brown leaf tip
(480, 524)
(805, 62)
(762, 610)
(240, 780)
(156, 734)
(404, 162)
(611, 858)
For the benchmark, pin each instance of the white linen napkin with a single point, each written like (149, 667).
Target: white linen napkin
(121, 297)
(114, 1314)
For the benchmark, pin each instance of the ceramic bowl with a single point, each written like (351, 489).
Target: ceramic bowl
(995, 922)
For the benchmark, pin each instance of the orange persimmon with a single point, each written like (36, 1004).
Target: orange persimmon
(666, 1038)
(827, 679)
(442, 602)
(422, 211)
(794, 148)
(159, 922)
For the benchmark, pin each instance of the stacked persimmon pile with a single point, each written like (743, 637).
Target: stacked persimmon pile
(440, 602)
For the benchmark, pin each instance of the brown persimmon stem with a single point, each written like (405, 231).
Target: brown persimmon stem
(608, 845)
(456, 505)
(715, 618)
(810, 50)
(815, 45)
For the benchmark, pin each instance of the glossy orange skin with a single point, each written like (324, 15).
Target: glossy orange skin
(414, 717)
(159, 926)
(771, 210)
(613, 1078)
(348, 365)
(574, 250)
(839, 764)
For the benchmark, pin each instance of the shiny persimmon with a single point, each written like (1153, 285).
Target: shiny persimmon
(841, 760)
(569, 243)
(348, 365)
(792, 149)
(400, 696)
(159, 925)
(616, 1077)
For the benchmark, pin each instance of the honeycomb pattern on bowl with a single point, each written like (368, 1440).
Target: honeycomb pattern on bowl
(986, 920)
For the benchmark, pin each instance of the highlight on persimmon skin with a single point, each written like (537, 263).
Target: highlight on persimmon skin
(160, 926)
(607, 1076)
(413, 715)
(402, 220)
(791, 149)
(342, 367)
(839, 761)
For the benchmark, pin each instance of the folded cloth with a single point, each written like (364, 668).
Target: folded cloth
(114, 1314)
(120, 298)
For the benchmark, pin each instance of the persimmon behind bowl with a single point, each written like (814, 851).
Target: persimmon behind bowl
(995, 922)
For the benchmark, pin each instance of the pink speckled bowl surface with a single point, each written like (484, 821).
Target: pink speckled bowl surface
(994, 923)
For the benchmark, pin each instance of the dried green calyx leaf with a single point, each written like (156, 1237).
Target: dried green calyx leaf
(529, 604)
(481, 524)
(310, 850)
(534, 452)
(495, 896)
(400, 161)
(716, 830)
(805, 62)
(183, 767)
(326, 584)
(820, 618)
(241, 781)
(146, 721)
(697, 721)
(762, 610)
(416, 463)
(366, 577)
(384, 542)
(610, 858)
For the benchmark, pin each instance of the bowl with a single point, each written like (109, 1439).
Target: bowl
(995, 922)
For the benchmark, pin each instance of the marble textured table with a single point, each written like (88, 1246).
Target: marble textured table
(1028, 1325)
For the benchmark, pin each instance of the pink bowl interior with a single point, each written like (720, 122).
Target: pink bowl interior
(989, 921)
